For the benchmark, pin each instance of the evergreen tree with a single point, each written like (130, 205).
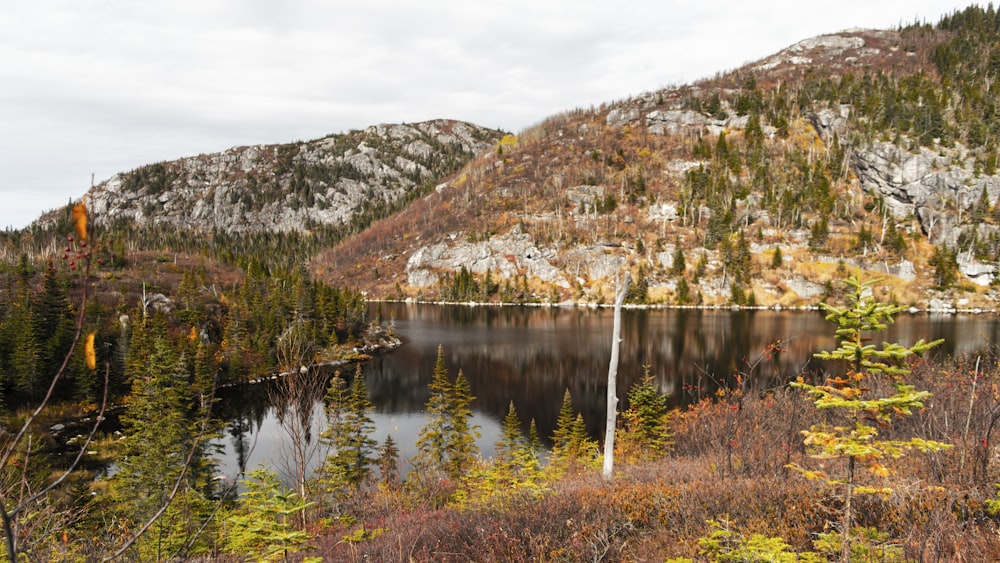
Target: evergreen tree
(53, 322)
(262, 524)
(388, 462)
(856, 408)
(818, 233)
(646, 434)
(432, 442)
(163, 435)
(777, 259)
(639, 291)
(679, 265)
(683, 292)
(462, 439)
(524, 460)
(511, 439)
(447, 441)
(945, 264)
(563, 433)
(572, 446)
(349, 432)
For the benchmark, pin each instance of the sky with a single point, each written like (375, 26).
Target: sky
(90, 88)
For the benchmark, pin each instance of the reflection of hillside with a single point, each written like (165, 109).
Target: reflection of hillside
(531, 355)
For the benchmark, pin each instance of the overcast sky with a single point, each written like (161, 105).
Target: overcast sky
(91, 87)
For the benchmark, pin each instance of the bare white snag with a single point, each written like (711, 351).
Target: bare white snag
(609, 432)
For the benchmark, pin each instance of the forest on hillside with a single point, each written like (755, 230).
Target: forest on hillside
(894, 458)
(764, 174)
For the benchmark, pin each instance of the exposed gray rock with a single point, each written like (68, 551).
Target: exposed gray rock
(506, 256)
(290, 187)
(937, 188)
(618, 116)
(825, 46)
(977, 272)
(664, 122)
(584, 197)
(804, 289)
(828, 122)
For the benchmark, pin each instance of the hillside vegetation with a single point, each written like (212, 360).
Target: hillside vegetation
(875, 149)
(839, 158)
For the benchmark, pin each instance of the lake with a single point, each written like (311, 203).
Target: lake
(531, 355)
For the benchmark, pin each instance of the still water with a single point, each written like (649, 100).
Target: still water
(531, 355)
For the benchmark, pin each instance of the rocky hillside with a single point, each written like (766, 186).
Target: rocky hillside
(862, 149)
(291, 187)
(762, 186)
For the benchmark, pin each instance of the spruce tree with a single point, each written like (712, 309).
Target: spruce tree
(447, 441)
(349, 433)
(262, 525)
(163, 437)
(679, 264)
(571, 443)
(777, 259)
(563, 433)
(856, 404)
(510, 440)
(432, 443)
(646, 435)
(462, 447)
(388, 462)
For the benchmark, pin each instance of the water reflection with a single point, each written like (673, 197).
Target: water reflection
(532, 355)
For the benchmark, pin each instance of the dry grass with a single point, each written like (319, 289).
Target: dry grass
(729, 459)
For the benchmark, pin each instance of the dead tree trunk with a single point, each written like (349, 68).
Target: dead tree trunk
(609, 432)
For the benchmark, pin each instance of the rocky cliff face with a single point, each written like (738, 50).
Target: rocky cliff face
(291, 187)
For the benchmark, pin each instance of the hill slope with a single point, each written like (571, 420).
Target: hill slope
(291, 187)
(862, 149)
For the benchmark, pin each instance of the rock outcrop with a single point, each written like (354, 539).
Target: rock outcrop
(935, 186)
(291, 187)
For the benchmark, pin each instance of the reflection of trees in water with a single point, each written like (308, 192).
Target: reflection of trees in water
(531, 355)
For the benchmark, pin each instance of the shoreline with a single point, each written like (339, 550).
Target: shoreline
(662, 306)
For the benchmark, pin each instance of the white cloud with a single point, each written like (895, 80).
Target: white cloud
(106, 86)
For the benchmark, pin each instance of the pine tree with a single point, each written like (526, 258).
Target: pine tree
(462, 439)
(349, 432)
(447, 441)
(856, 408)
(647, 435)
(160, 446)
(432, 443)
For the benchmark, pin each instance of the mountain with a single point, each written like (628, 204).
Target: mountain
(291, 187)
(863, 149)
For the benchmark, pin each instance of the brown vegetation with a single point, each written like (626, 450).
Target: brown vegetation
(729, 460)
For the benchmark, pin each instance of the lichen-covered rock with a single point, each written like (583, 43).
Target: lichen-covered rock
(291, 187)
(934, 186)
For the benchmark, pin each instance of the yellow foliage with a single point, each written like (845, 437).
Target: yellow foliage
(508, 141)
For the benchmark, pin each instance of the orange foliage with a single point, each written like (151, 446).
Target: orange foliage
(80, 220)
